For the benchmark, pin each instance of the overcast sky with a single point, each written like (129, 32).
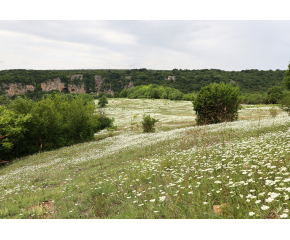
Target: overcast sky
(227, 45)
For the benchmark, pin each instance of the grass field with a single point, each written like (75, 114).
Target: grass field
(230, 170)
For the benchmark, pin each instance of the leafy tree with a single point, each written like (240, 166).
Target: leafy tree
(285, 104)
(286, 79)
(124, 93)
(217, 103)
(103, 101)
(12, 129)
(116, 95)
(274, 94)
(148, 123)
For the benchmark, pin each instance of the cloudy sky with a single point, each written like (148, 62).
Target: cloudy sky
(152, 44)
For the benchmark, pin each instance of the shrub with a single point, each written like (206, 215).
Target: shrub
(273, 112)
(285, 104)
(116, 95)
(148, 123)
(103, 101)
(217, 103)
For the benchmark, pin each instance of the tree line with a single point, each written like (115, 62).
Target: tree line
(186, 81)
(27, 127)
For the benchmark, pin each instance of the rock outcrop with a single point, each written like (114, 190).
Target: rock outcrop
(110, 91)
(56, 84)
(99, 81)
(129, 85)
(72, 88)
(16, 88)
(173, 78)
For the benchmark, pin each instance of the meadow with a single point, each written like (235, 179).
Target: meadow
(232, 170)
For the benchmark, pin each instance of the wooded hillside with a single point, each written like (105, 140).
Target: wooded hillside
(187, 81)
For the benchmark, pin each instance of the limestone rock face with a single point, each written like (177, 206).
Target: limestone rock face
(76, 89)
(56, 84)
(110, 91)
(128, 77)
(173, 78)
(99, 81)
(130, 85)
(16, 88)
(30, 88)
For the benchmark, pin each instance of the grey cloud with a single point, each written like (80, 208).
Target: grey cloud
(227, 45)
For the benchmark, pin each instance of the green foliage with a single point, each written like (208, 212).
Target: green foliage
(49, 124)
(123, 93)
(254, 98)
(148, 123)
(286, 79)
(103, 101)
(285, 104)
(186, 81)
(4, 100)
(12, 129)
(116, 95)
(217, 103)
(274, 95)
(175, 95)
(188, 97)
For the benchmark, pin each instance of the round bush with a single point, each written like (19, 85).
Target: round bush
(217, 103)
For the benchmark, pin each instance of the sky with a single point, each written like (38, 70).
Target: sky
(182, 43)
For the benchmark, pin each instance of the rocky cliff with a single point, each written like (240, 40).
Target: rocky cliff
(16, 88)
(56, 84)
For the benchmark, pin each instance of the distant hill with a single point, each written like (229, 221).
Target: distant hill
(19, 81)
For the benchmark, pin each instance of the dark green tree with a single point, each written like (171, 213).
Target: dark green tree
(274, 94)
(103, 101)
(286, 79)
(148, 123)
(217, 103)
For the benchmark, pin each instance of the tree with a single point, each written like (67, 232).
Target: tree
(217, 103)
(274, 94)
(12, 129)
(286, 79)
(103, 101)
(116, 95)
(285, 104)
(148, 123)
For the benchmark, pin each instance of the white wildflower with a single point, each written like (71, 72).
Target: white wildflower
(152, 200)
(264, 207)
(251, 213)
(161, 199)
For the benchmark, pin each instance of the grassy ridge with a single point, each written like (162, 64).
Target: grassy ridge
(230, 170)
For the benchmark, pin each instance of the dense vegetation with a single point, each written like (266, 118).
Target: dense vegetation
(27, 126)
(186, 81)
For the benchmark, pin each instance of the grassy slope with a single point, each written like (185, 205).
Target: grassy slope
(181, 171)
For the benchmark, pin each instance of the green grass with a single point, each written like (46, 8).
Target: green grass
(181, 171)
